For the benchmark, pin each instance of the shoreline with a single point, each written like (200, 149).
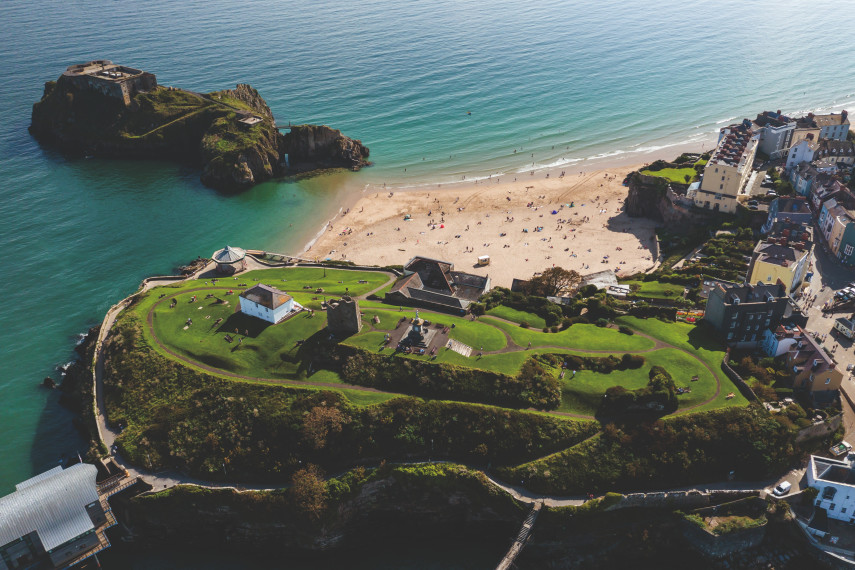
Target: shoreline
(627, 161)
(575, 221)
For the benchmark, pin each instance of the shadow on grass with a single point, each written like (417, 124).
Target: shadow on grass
(703, 335)
(244, 325)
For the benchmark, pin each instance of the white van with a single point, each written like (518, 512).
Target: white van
(782, 489)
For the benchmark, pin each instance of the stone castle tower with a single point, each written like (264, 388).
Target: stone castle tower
(343, 316)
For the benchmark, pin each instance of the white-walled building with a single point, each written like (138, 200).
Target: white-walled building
(833, 126)
(835, 481)
(267, 303)
(802, 151)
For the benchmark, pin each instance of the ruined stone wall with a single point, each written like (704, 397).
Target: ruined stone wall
(679, 499)
(821, 429)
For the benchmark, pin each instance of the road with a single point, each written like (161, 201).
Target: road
(828, 276)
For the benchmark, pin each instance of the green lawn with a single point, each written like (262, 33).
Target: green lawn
(334, 282)
(673, 174)
(578, 337)
(656, 289)
(273, 352)
(268, 351)
(700, 342)
(516, 316)
(582, 393)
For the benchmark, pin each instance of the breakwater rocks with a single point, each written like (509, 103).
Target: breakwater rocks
(230, 135)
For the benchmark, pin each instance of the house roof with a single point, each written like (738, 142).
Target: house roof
(266, 296)
(53, 504)
(751, 293)
(229, 255)
(778, 254)
(831, 119)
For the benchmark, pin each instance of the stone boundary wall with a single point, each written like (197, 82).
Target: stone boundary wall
(256, 255)
(672, 500)
(820, 430)
(744, 388)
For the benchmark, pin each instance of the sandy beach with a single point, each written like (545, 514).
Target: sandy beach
(574, 221)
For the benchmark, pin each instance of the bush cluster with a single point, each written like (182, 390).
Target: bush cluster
(532, 387)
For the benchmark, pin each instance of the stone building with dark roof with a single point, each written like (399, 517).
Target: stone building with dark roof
(434, 284)
(742, 313)
(268, 303)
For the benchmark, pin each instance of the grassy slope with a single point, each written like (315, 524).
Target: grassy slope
(516, 316)
(582, 393)
(673, 174)
(656, 289)
(699, 342)
(578, 337)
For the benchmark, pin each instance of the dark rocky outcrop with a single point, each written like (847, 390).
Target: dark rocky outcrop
(209, 131)
(651, 197)
(310, 147)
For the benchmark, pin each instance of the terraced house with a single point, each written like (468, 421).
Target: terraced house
(742, 313)
(728, 170)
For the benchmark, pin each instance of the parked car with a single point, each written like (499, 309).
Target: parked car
(771, 193)
(782, 489)
(841, 448)
(753, 202)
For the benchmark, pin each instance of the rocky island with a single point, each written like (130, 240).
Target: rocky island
(103, 109)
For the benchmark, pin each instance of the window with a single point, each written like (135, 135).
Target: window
(828, 380)
(751, 317)
(832, 507)
(843, 511)
(848, 250)
(828, 493)
(768, 278)
(722, 177)
(729, 336)
(721, 186)
(733, 325)
(767, 322)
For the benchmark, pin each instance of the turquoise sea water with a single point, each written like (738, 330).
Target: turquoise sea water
(566, 81)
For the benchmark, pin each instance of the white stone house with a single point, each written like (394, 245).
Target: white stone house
(835, 481)
(267, 303)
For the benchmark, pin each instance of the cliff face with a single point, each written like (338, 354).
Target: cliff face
(388, 507)
(648, 198)
(310, 147)
(210, 131)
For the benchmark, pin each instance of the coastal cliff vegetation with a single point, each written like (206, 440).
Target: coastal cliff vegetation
(178, 417)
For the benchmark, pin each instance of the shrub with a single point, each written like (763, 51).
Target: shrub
(477, 309)
(626, 330)
(602, 322)
(632, 361)
(524, 324)
(546, 329)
